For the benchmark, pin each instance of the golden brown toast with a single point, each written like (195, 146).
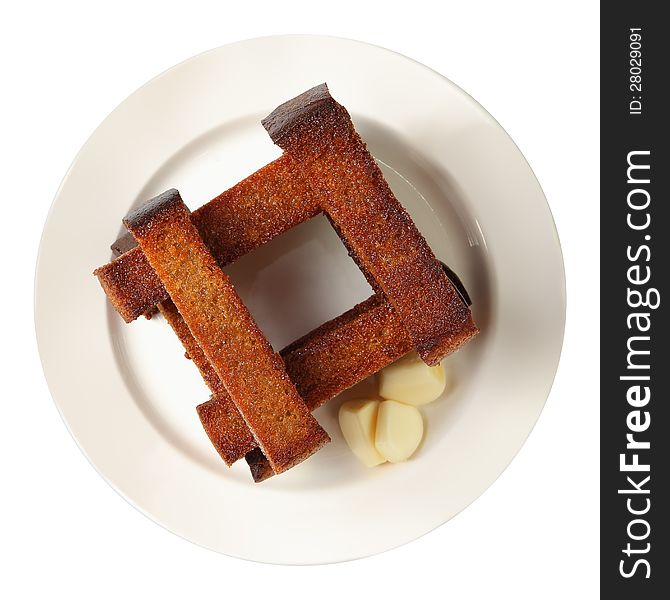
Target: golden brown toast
(131, 285)
(122, 245)
(234, 439)
(381, 236)
(252, 373)
(264, 205)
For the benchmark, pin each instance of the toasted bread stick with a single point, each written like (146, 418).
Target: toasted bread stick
(122, 245)
(131, 285)
(264, 205)
(224, 417)
(381, 236)
(253, 374)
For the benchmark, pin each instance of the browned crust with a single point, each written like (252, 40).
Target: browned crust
(304, 107)
(252, 373)
(378, 231)
(269, 202)
(223, 423)
(122, 245)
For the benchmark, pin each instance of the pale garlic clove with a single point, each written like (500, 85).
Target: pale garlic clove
(411, 381)
(399, 430)
(358, 422)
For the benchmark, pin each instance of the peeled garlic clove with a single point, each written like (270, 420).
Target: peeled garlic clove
(399, 430)
(411, 381)
(358, 422)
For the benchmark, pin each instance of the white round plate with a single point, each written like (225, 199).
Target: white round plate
(128, 395)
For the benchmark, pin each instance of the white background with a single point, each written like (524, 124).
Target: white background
(65, 66)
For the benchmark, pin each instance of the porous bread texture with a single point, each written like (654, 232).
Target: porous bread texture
(377, 230)
(253, 375)
(222, 421)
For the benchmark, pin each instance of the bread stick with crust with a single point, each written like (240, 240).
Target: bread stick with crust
(269, 202)
(234, 439)
(253, 374)
(377, 230)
